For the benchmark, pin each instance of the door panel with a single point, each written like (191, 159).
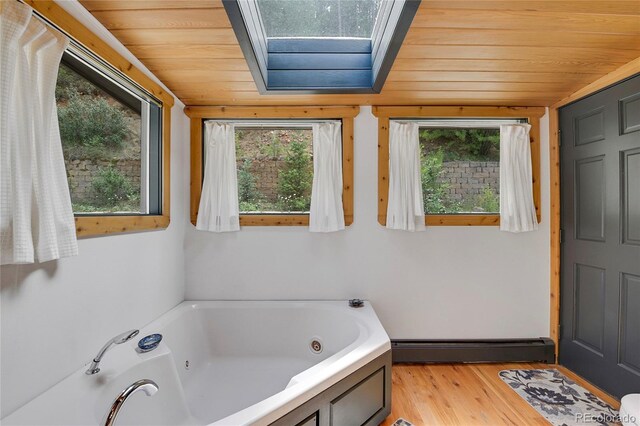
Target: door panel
(630, 323)
(600, 256)
(589, 308)
(630, 114)
(589, 127)
(631, 196)
(590, 198)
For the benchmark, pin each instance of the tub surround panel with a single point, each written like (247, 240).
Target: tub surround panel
(447, 283)
(82, 400)
(364, 396)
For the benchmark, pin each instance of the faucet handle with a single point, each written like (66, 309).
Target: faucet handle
(127, 335)
(120, 338)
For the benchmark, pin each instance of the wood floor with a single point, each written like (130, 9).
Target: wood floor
(466, 394)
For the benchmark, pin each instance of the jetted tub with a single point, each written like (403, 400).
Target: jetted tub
(237, 363)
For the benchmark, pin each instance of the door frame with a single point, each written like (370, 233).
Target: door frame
(628, 70)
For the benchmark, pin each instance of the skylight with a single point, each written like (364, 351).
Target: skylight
(319, 18)
(320, 46)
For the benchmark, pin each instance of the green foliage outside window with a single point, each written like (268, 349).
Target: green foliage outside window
(473, 154)
(433, 191)
(463, 144)
(71, 84)
(92, 125)
(489, 201)
(112, 188)
(275, 169)
(313, 18)
(294, 181)
(246, 182)
(97, 130)
(248, 195)
(274, 149)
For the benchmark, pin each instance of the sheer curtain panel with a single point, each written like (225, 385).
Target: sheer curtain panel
(517, 209)
(219, 210)
(327, 214)
(405, 210)
(36, 217)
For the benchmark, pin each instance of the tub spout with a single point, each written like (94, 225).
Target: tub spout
(120, 338)
(149, 387)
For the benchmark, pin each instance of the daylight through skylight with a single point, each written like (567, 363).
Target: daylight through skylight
(319, 18)
(320, 46)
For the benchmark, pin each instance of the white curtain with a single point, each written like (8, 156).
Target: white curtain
(517, 210)
(219, 210)
(36, 218)
(405, 210)
(327, 214)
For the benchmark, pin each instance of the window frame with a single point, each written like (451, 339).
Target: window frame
(198, 115)
(96, 225)
(387, 113)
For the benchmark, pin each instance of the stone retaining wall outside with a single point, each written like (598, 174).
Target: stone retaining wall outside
(80, 174)
(467, 179)
(265, 172)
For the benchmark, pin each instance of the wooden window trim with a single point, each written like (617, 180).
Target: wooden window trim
(102, 225)
(385, 113)
(345, 113)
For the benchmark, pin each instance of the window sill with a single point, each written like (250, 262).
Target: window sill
(277, 220)
(456, 220)
(106, 225)
(462, 220)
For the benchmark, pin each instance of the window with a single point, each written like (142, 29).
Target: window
(460, 166)
(275, 168)
(320, 46)
(111, 139)
(313, 18)
(274, 160)
(460, 154)
(125, 87)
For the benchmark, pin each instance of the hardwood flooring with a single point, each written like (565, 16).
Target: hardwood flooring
(466, 394)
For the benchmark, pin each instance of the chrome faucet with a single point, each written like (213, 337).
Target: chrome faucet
(120, 338)
(149, 387)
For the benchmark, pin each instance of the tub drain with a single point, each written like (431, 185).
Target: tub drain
(316, 346)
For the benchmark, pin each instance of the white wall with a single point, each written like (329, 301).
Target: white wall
(55, 316)
(445, 283)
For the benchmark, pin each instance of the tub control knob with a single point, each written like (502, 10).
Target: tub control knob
(356, 303)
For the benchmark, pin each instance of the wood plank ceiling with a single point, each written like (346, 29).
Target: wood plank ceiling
(457, 52)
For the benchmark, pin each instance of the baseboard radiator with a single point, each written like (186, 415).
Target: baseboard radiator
(454, 351)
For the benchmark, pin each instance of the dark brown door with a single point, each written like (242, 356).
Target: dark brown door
(600, 284)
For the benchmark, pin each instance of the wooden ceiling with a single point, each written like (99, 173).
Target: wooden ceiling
(457, 52)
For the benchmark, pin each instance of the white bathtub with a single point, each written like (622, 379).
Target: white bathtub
(220, 363)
